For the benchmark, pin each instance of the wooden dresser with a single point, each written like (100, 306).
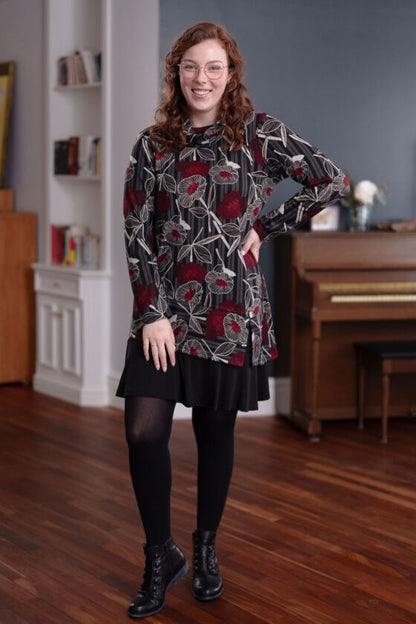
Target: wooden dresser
(335, 288)
(17, 304)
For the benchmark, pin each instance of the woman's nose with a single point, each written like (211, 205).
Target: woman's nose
(200, 74)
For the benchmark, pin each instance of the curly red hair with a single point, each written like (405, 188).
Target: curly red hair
(172, 111)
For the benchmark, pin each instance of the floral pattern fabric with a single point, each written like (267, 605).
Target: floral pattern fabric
(187, 216)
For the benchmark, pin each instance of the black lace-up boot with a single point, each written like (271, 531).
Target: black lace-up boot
(206, 580)
(165, 564)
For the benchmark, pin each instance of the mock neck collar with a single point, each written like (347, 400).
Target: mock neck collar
(209, 135)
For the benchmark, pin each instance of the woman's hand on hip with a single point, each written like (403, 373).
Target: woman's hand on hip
(159, 343)
(253, 244)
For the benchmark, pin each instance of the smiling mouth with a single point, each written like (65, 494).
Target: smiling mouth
(201, 92)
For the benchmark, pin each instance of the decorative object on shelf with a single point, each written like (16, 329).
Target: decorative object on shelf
(326, 220)
(360, 200)
(6, 94)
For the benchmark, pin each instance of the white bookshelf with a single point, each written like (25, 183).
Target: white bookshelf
(73, 303)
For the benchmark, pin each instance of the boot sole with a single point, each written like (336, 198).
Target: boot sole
(184, 569)
(208, 598)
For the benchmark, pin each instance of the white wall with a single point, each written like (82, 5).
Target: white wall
(21, 40)
(134, 78)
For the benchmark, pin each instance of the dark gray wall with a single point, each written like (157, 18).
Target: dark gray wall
(339, 72)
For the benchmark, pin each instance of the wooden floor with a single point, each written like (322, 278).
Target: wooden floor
(319, 533)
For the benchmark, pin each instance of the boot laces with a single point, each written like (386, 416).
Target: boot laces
(152, 576)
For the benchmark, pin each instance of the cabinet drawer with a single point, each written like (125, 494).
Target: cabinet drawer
(56, 283)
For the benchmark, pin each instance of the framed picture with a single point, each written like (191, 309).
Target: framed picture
(327, 219)
(6, 94)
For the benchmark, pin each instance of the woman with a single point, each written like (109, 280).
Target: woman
(202, 330)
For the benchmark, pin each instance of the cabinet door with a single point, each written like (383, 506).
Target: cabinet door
(48, 320)
(71, 333)
(59, 334)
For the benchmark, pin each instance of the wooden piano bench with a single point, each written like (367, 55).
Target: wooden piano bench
(388, 358)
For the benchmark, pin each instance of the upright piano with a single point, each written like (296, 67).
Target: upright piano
(332, 289)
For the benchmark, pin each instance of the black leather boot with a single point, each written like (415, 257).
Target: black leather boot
(206, 579)
(165, 564)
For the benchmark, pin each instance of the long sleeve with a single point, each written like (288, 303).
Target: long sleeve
(284, 154)
(150, 302)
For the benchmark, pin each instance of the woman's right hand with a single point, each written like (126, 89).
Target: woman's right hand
(159, 342)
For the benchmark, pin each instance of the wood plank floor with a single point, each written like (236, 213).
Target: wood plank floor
(312, 533)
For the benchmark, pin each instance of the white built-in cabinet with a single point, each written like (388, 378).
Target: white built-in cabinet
(72, 304)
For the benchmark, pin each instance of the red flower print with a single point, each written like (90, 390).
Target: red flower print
(132, 199)
(150, 240)
(274, 353)
(190, 189)
(237, 359)
(315, 181)
(190, 294)
(265, 330)
(143, 295)
(225, 173)
(180, 329)
(159, 155)
(194, 347)
(262, 116)
(215, 324)
(220, 282)
(195, 167)
(250, 260)
(232, 205)
(230, 306)
(235, 328)
(162, 203)
(190, 271)
(258, 157)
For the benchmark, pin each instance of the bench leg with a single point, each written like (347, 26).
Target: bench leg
(385, 396)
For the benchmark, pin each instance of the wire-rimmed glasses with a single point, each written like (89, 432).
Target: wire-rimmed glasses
(213, 70)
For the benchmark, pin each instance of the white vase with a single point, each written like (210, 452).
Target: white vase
(360, 218)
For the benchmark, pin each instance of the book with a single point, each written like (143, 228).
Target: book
(81, 67)
(74, 246)
(61, 157)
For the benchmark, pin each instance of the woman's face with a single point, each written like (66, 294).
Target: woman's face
(202, 93)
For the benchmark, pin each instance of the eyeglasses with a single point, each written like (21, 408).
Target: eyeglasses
(213, 70)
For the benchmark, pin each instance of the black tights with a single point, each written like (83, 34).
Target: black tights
(148, 426)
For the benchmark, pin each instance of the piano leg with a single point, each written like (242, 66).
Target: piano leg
(360, 392)
(385, 397)
(315, 425)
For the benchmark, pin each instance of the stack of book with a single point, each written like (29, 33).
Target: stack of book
(78, 156)
(74, 246)
(82, 67)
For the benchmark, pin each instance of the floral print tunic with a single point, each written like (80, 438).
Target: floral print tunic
(187, 216)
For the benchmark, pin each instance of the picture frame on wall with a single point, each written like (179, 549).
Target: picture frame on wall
(6, 95)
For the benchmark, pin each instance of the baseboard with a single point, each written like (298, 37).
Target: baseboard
(72, 392)
(279, 402)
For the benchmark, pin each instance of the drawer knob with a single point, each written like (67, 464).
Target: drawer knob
(57, 314)
(56, 284)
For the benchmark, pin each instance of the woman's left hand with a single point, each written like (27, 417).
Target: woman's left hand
(253, 244)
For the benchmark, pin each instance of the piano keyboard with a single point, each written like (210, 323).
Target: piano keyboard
(392, 297)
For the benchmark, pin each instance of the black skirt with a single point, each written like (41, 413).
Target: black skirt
(194, 381)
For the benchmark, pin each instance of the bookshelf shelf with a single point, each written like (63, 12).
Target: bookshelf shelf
(77, 178)
(75, 87)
